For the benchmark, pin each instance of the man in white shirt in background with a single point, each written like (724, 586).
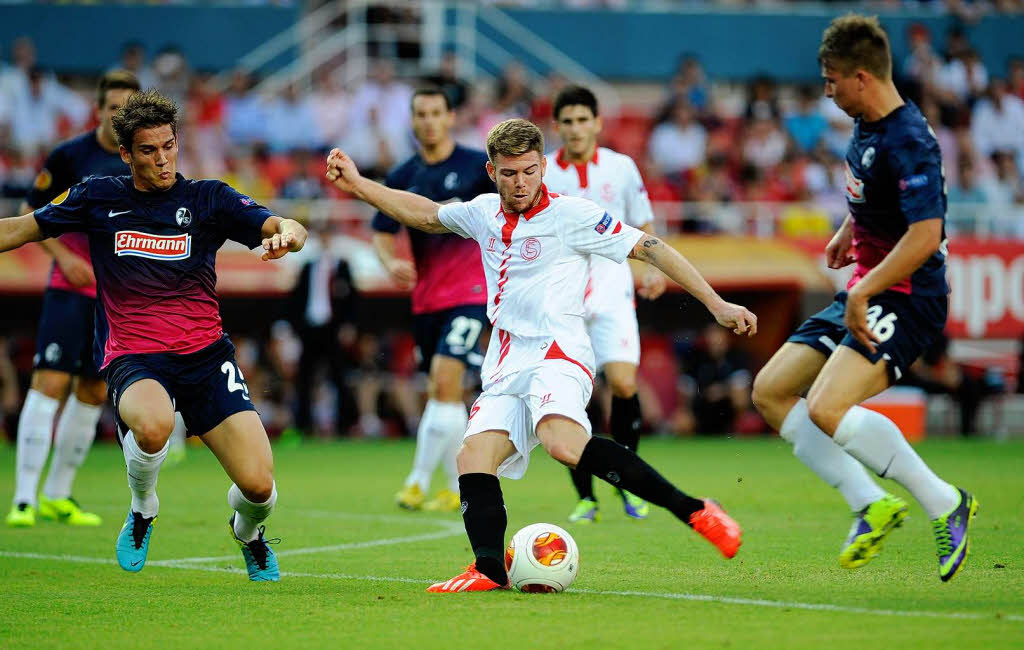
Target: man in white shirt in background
(612, 180)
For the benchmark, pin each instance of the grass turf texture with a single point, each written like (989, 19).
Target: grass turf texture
(367, 586)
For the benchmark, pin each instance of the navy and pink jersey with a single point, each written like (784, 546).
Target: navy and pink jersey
(153, 254)
(894, 178)
(448, 268)
(69, 163)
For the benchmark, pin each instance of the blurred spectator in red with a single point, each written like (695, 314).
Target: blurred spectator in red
(207, 142)
(678, 144)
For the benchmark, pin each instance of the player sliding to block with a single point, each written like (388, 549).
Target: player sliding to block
(154, 236)
(538, 372)
(894, 307)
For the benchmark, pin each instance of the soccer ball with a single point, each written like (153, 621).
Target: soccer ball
(542, 558)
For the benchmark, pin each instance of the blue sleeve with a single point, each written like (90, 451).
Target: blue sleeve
(66, 213)
(917, 172)
(241, 218)
(382, 222)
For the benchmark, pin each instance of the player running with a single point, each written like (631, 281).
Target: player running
(154, 237)
(612, 180)
(894, 307)
(64, 361)
(449, 298)
(538, 374)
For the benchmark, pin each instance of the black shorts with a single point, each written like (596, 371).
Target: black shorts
(906, 325)
(206, 386)
(66, 333)
(452, 333)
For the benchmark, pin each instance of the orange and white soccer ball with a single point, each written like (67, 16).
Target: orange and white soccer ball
(542, 558)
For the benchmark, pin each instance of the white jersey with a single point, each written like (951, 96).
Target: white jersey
(611, 180)
(535, 264)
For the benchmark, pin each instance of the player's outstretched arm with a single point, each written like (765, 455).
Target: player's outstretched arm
(652, 284)
(655, 252)
(18, 231)
(282, 236)
(410, 209)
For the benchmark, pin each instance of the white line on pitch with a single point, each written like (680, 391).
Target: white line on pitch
(348, 546)
(707, 598)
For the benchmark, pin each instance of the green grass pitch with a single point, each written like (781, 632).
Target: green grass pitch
(355, 566)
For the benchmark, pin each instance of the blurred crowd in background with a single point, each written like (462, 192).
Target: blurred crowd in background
(706, 143)
(706, 148)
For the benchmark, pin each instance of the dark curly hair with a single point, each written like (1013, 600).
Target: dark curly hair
(144, 110)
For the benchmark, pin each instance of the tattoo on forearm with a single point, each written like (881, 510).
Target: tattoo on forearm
(650, 242)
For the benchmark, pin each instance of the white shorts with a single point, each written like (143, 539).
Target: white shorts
(516, 404)
(615, 336)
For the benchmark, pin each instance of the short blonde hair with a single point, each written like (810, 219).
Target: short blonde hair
(514, 138)
(855, 41)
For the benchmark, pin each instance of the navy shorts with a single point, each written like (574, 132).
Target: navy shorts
(206, 386)
(453, 333)
(66, 333)
(906, 325)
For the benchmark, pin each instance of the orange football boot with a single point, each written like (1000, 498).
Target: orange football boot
(718, 528)
(471, 580)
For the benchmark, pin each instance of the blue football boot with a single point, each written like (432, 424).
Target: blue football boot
(133, 541)
(260, 561)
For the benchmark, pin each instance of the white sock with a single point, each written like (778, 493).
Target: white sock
(76, 429)
(450, 420)
(178, 433)
(35, 429)
(143, 470)
(876, 441)
(249, 515)
(824, 457)
(428, 450)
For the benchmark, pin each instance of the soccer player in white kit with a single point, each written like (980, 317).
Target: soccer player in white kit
(612, 180)
(538, 373)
